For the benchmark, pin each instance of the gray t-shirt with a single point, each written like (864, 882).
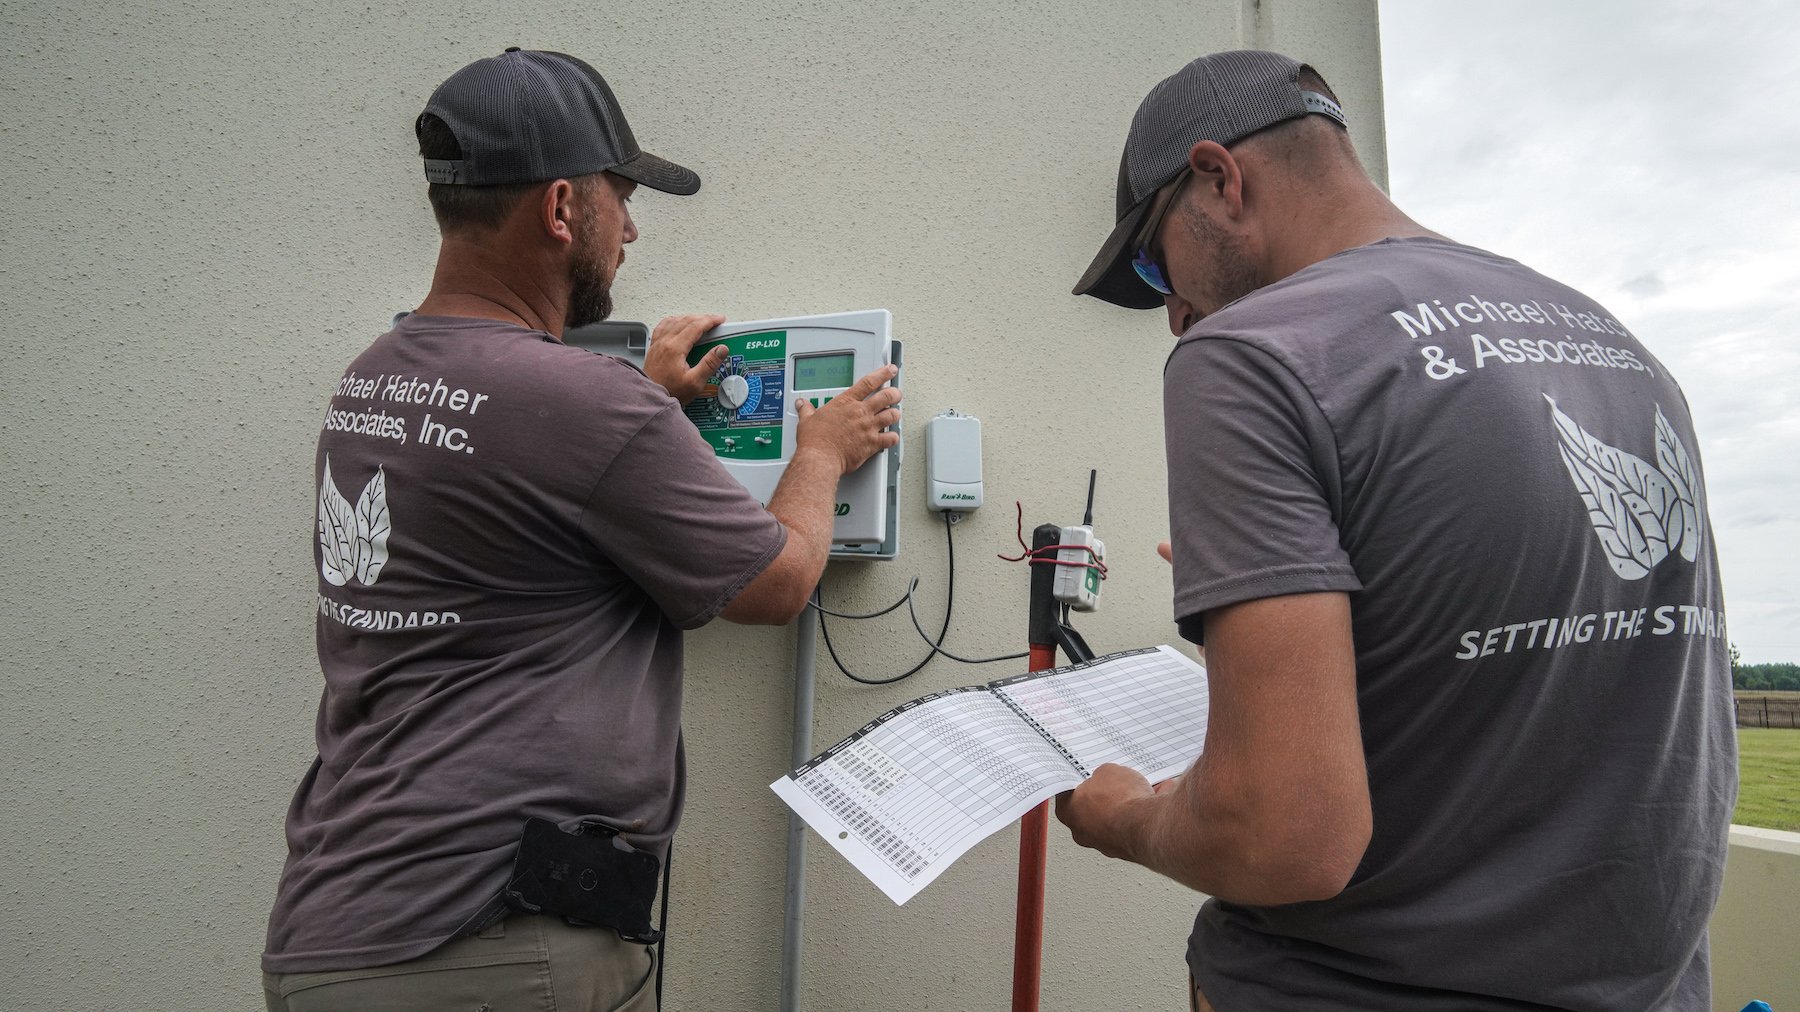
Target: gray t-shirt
(1507, 486)
(511, 535)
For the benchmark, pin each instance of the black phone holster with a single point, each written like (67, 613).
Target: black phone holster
(585, 876)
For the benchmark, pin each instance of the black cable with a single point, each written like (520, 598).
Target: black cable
(949, 602)
(812, 602)
(937, 648)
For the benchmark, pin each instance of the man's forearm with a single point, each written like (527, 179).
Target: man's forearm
(1170, 834)
(805, 502)
(830, 441)
(1198, 834)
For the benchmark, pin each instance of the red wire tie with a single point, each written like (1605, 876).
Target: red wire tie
(1036, 557)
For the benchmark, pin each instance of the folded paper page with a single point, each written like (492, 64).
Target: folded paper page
(912, 790)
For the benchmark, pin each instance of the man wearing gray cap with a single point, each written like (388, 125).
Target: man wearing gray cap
(512, 535)
(1440, 524)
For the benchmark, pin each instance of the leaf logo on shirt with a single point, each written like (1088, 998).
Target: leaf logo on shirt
(353, 539)
(1640, 513)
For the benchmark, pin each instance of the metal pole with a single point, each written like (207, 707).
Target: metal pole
(806, 629)
(1034, 849)
(1034, 829)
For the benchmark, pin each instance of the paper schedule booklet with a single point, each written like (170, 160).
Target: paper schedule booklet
(912, 790)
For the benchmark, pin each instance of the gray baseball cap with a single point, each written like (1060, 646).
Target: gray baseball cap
(527, 116)
(1224, 98)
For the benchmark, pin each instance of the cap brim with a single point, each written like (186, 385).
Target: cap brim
(659, 174)
(1110, 277)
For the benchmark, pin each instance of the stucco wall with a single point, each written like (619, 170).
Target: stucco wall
(1755, 942)
(210, 207)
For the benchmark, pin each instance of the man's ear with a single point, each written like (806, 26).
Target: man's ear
(556, 211)
(1218, 176)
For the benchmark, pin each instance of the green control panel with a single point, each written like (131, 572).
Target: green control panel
(754, 379)
(748, 412)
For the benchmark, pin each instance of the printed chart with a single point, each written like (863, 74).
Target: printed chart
(915, 788)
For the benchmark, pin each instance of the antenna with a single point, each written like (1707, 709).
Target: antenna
(1087, 519)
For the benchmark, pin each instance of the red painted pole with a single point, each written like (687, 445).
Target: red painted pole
(1034, 845)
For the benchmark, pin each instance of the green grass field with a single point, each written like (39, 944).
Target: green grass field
(1768, 778)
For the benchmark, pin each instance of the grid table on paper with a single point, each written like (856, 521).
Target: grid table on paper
(1146, 711)
(917, 785)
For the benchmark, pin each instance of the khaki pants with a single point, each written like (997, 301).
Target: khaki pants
(524, 962)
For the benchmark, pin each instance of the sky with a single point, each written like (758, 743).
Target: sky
(1647, 153)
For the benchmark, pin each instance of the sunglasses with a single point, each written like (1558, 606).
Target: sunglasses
(1148, 270)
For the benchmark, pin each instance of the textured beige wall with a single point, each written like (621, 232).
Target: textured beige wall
(210, 207)
(1755, 942)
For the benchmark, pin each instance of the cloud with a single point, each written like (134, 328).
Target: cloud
(1643, 153)
(1758, 519)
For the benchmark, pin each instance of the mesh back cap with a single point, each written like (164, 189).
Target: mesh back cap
(528, 116)
(1223, 98)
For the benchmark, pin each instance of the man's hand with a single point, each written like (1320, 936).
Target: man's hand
(852, 427)
(666, 360)
(1108, 812)
(1276, 809)
(830, 442)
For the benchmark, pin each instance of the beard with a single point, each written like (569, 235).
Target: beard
(590, 282)
(1229, 274)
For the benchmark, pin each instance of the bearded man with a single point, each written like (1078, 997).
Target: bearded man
(508, 531)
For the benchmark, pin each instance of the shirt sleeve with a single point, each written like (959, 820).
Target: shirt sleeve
(1253, 472)
(667, 513)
